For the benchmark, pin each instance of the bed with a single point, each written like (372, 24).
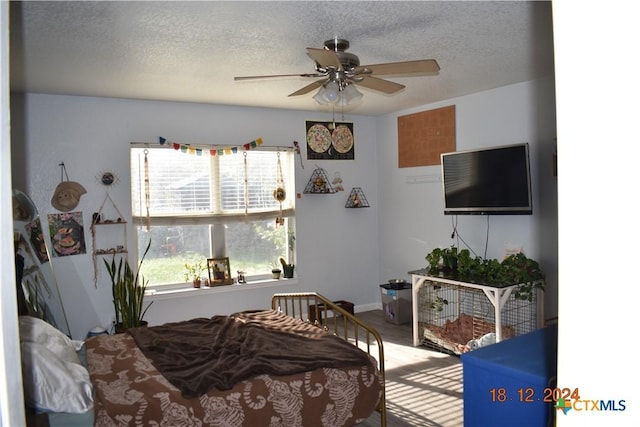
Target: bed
(273, 368)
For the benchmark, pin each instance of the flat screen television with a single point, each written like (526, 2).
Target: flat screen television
(487, 181)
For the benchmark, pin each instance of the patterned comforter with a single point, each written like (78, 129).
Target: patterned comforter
(130, 390)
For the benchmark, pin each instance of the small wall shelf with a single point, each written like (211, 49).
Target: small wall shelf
(319, 183)
(108, 234)
(356, 199)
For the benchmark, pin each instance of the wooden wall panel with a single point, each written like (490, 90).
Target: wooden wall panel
(423, 136)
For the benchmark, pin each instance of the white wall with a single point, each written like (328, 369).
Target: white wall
(337, 247)
(412, 222)
(342, 253)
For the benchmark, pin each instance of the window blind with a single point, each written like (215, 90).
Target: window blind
(201, 188)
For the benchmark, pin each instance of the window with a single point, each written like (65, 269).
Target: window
(202, 206)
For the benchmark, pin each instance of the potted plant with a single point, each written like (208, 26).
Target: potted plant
(286, 268)
(433, 258)
(518, 269)
(515, 269)
(194, 273)
(275, 271)
(445, 260)
(128, 288)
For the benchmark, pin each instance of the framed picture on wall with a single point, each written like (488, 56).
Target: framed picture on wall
(219, 271)
(330, 140)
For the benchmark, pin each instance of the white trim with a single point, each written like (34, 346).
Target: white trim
(367, 307)
(11, 397)
(168, 293)
(211, 218)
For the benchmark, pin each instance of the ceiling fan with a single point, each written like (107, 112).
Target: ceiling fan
(340, 72)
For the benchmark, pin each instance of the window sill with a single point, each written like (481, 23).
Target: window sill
(190, 291)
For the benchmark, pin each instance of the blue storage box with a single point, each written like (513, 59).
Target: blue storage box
(504, 383)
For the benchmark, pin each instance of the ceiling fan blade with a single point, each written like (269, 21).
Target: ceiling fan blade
(379, 84)
(407, 67)
(326, 58)
(308, 88)
(277, 75)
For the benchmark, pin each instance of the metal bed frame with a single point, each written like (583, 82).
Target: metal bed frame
(304, 305)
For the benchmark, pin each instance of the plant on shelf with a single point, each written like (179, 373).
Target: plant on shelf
(433, 258)
(275, 270)
(194, 273)
(287, 269)
(446, 260)
(515, 269)
(518, 269)
(467, 264)
(128, 288)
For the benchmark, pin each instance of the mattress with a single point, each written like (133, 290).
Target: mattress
(130, 389)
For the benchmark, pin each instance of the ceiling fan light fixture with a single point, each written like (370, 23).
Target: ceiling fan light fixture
(351, 94)
(329, 93)
(332, 92)
(320, 97)
(341, 70)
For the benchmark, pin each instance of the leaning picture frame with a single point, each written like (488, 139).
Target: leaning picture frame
(219, 271)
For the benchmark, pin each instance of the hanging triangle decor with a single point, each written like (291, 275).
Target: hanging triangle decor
(356, 199)
(319, 183)
(210, 149)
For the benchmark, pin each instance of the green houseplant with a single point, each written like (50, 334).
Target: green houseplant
(446, 259)
(194, 273)
(287, 268)
(128, 288)
(516, 269)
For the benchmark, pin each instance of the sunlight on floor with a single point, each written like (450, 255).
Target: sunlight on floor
(427, 396)
(423, 386)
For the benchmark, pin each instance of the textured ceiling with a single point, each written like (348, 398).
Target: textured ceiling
(190, 51)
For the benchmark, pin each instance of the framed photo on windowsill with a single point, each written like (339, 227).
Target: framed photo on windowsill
(219, 271)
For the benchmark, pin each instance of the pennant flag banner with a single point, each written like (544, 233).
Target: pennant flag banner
(218, 151)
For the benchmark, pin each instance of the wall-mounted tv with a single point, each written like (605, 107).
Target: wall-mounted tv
(488, 181)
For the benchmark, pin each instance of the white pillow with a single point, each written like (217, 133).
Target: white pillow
(35, 330)
(52, 384)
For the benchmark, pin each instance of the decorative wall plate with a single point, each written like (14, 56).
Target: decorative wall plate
(319, 138)
(107, 178)
(342, 139)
